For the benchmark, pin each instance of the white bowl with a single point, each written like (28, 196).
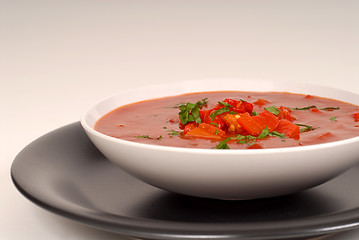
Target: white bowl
(225, 174)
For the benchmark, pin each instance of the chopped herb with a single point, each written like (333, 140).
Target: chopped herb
(225, 104)
(276, 134)
(303, 108)
(272, 109)
(173, 133)
(218, 112)
(223, 144)
(333, 118)
(143, 136)
(313, 106)
(215, 124)
(216, 132)
(148, 137)
(264, 133)
(306, 127)
(190, 112)
(248, 139)
(254, 113)
(329, 108)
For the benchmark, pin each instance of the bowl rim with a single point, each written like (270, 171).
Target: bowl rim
(150, 146)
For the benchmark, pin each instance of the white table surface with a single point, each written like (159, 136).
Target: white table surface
(59, 56)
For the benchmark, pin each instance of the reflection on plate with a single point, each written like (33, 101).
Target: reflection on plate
(64, 173)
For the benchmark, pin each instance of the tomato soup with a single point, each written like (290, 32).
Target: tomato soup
(233, 120)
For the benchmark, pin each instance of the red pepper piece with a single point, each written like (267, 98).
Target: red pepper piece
(356, 117)
(254, 125)
(188, 127)
(207, 131)
(288, 128)
(285, 113)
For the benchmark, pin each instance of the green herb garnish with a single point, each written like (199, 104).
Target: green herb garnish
(249, 139)
(303, 108)
(223, 144)
(272, 109)
(306, 127)
(329, 108)
(226, 108)
(143, 136)
(264, 133)
(173, 133)
(215, 124)
(277, 134)
(333, 118)
(148, 137)
(218, 112)
(190, 112)
(313, 106)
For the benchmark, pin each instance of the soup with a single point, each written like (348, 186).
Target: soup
(233, 120)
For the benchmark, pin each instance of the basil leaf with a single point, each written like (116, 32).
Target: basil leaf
(277, 134)
(215, 124)
(173, 133)
(264, 133)
(196, 115)
(329, 108)
(306, 127)
(313, 106)
(225, 104)
(143, 136)
(218, 112)
(303, 108)
(190, 112)
(272, 109)
(223, 144)
(148, 137)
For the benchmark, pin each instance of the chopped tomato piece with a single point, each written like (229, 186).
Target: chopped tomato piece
(288, 128)
(356, 117)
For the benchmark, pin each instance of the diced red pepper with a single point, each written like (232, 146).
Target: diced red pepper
(356, 117)
(188, 127)
(232, 123)
(285, 113)
(207, 131)
(288, 128)
(254, 125)
(269, 119)
(218, 120)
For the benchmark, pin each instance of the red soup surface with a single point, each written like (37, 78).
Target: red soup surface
(233, 120)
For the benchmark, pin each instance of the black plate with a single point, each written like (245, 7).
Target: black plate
(64, 173)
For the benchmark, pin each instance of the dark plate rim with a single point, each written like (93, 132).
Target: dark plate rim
(159, 229)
